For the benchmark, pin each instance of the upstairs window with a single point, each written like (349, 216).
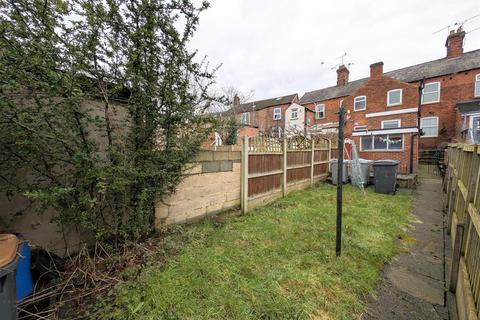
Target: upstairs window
(245, 118)
(431, 93)
(277, 114)
(394, 97)
(360, 103)
(429, 126)
(477, 85)
(391, 124)
(320, 111)
(294, 113)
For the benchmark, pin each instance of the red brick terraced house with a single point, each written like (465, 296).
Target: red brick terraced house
(386, 112)
(272, 116)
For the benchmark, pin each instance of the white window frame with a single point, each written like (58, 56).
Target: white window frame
(439, 90)
(360, 128)
(477, 82)
(245, 118)
(294, 112)
(372, 137)
(397, 120)
(421, 126)
(397, 103)
(317, 107)
(277, 113)
(355, 100)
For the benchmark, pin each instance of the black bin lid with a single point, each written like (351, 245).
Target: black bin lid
(385, 163)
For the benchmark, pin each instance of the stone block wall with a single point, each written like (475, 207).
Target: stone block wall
(211, 184)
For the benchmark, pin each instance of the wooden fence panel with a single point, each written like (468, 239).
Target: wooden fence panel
(261, 163)
(472, 256)
(298, 158)
(264, 184)
(298, 174)
(463, 208)
(320, 169)
(321, 155)
(334, 153)
(270, 165)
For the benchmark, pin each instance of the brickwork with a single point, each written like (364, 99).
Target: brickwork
(331, 110)
(376, 90)
(402, 156)
(453, 89)
(454, 43)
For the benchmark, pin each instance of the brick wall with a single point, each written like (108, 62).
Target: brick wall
(403, 156)
(263, 118)
(453, 88)
(211, 184)
(331, 109)
(376, 92)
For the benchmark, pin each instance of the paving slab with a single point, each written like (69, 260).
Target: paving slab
(413, 283)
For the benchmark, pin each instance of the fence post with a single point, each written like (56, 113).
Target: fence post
(284, 167)
(312, 158)
(452, 200)
(244, 176)
(329, 154)
(456, 254)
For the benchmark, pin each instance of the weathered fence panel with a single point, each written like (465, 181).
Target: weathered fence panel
(462, 203)
(265, 169)
(274, 166)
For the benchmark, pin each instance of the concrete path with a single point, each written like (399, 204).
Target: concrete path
(412, 285)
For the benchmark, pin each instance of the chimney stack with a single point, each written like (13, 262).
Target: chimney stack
(376, 70)
(454, 43)
(342, 75)
(236, 101)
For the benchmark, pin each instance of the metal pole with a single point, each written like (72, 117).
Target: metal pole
(419, 115)
(341, 123)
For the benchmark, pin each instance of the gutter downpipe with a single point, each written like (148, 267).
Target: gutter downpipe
(419, 113)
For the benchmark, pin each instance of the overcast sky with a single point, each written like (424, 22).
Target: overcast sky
(276, 47)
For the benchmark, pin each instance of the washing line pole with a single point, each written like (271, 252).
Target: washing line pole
(341, 123)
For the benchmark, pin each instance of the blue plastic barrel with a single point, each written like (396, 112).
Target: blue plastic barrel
(23, 278)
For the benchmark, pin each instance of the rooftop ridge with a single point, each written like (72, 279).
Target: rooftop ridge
(407, 74)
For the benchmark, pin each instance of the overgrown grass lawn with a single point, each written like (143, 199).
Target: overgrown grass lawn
(277, 262)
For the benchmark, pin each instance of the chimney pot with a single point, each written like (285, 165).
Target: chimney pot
(454, 43)
(376, 70)
(342, 75)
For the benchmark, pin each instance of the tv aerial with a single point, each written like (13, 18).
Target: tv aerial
(341, 58)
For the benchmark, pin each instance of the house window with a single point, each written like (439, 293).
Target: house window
(477, 85)
(294, 113)
(382, 142)
(431, 93)
(360, 128)
(245, 118)
(360, 103)
(394, 97)
(277, 114)
(320, 111)
(391, 124)
(276, 132)
(429, 126)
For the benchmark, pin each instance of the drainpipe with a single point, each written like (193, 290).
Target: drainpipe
(419, 113)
